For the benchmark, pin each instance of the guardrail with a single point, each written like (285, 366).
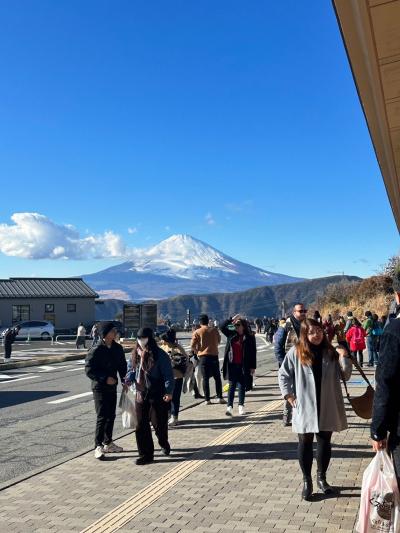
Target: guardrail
(66, 337)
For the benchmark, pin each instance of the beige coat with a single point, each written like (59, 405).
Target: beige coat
(298, 379)
(171, 350)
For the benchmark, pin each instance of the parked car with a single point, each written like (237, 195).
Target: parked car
(34, 329)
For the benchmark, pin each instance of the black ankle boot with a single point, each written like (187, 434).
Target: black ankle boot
(322, 484)
(307, 491)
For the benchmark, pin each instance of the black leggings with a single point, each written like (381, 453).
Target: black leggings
(305, 451)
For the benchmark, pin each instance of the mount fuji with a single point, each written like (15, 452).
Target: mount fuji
(180, 265)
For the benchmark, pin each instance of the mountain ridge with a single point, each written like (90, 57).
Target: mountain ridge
(180, 265)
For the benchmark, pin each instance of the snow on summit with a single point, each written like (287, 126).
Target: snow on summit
(179, 265)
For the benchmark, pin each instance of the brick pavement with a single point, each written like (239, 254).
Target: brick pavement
(252, 483)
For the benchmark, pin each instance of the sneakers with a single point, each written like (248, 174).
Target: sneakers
(208, 402)
(112, 448)
(229, 411)
(99, 453)
(173, 421)
(242, 410)
(221, 401)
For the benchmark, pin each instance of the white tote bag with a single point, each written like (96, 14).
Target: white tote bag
(379, 506)
(129, 418)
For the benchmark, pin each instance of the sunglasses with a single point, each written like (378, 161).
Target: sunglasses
(302, 311)
(238, 324)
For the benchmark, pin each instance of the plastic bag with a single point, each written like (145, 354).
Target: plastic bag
(129, 417)
(379, 506)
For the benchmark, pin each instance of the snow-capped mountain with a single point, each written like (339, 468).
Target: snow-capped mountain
(180, 265)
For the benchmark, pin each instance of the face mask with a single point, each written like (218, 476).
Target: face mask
(143, 343)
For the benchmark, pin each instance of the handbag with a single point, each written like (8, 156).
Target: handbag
(362, 405)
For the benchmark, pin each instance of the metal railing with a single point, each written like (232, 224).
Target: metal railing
(66, 337)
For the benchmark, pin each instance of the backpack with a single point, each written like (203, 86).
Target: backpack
(377, 330)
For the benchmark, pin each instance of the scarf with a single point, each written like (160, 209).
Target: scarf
(145, 359)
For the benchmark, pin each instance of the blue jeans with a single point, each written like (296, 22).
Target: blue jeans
(236, 377)
(372, 353)
(176, 396)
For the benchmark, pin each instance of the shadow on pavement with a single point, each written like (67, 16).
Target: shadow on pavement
(9, 398)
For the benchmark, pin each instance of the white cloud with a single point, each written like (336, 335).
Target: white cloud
(209, 219)
(132, 231)
(35, 236)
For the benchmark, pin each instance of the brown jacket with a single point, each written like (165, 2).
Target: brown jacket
(205, 341)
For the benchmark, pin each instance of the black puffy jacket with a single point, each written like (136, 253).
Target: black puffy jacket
(102, 362)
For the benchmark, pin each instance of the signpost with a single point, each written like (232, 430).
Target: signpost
(136, 316)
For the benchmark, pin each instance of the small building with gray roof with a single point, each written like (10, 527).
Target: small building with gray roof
(63, 301)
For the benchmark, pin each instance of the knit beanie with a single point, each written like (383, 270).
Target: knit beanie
(106, 327)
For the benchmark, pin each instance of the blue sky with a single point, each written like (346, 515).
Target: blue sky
(235, 122)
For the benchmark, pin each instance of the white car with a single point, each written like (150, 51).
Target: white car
(35, 329)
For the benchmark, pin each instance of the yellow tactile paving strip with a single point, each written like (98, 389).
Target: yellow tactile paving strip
(129, 509)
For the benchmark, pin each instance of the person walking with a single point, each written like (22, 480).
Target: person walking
(368, 326)
(103, 364)
(377, 331)
(284, 339)
(81, 336)
(349, 321)
(179, 362)
(95, 334)
(385, 423)
(258, 323)
(151, 372)
(339, 332)
(329, 328)
(356, 339)
(9, 338)
(240, 360)
(317, 316)
(309, 378)
(205, 342)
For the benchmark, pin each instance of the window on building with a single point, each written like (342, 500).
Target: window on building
(49, 308)
(21, 313)
(71, 308)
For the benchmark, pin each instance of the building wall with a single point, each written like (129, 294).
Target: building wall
(85, 310)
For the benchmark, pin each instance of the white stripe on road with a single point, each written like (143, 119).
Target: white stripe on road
(18, 379)
(12, 376)
(69, 398)
(74, 369)
(46, 368)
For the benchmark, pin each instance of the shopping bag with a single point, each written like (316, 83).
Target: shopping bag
(379, 506)
(129, 418)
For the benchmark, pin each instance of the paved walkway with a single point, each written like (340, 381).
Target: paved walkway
(225, 474)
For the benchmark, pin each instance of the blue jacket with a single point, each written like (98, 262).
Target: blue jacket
(279, 344)
(160, 378)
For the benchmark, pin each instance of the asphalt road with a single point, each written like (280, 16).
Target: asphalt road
(47, 412)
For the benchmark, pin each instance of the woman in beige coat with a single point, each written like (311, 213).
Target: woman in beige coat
(309, 378)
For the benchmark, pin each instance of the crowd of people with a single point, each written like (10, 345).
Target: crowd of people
(313, 356)
(157, 372)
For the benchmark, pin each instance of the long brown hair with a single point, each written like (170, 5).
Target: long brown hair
(304, 346)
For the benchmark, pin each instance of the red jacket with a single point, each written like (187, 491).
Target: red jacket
(355, 337)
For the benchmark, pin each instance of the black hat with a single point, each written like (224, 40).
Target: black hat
(145, 332)
(106, 327)
(349, 313)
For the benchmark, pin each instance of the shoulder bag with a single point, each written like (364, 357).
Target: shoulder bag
(362, 405)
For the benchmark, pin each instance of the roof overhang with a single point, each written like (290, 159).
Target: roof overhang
(371, 35)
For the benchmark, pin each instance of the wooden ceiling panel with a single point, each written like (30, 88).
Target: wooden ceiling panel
(386, 24)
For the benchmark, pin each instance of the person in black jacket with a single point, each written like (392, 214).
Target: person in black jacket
(103, 364)
(240, 360)
(386, 409)
(151, 371)
(9, 338)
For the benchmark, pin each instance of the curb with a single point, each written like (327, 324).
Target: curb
(41, 361)
(47, 359)
(11, 482)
